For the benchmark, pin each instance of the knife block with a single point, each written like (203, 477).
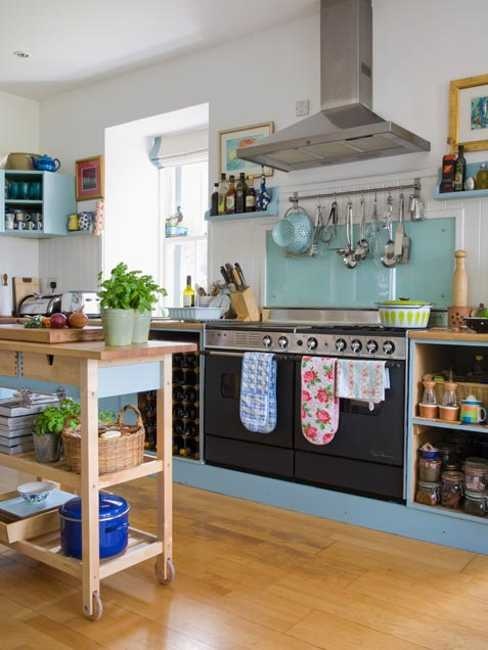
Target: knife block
(245, 306)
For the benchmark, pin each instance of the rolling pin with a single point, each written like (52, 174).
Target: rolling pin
(460, 280)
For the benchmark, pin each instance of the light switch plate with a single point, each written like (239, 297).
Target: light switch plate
(302, 107)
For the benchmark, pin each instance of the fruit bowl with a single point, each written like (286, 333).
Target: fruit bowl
(35, 491)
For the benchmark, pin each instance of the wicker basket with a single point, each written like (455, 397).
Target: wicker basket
(114, 454)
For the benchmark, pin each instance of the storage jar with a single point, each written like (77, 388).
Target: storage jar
(428, 493)
(113, 525)
(452, 485)
(476, 474)
(448, 454)
(476, 503)
(430, 464)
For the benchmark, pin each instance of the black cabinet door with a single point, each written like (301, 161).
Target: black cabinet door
(222, 395)
(376, 436)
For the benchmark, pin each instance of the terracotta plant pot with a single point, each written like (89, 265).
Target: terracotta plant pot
(428, 411)
(449, 413)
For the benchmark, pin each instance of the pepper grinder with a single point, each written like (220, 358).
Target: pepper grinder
(459, 309)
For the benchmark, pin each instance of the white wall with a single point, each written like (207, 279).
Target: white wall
(419, 46)
(19, 131)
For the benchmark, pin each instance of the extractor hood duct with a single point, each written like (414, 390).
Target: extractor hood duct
(346, 129)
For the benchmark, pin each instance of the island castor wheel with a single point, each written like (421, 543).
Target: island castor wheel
(97, 607)
(170, 572)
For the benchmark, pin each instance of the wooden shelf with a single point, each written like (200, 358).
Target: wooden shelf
(60, 473)
(47, 548)
(449, 512)
(443, 424)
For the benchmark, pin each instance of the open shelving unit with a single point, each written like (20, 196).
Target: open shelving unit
(56, 202)
(429, 356)
(271, 211)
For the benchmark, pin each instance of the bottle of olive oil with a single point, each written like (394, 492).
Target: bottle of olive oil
(188, 293)
(250, 195)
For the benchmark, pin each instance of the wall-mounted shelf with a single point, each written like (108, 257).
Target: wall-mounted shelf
(471, 170)
(271, 211)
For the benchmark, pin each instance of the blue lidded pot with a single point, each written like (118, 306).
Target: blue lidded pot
(113, 525)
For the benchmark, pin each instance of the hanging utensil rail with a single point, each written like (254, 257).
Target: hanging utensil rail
(416, 186)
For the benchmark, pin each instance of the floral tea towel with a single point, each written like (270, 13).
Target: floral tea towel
(320, 406)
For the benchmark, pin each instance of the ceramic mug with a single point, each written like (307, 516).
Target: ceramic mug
(471, 411)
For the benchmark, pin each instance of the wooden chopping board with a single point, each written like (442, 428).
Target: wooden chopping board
(47, 335)
(24, 287)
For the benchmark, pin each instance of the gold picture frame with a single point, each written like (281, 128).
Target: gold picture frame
(231, 139)
(90, 178)
(468, 113)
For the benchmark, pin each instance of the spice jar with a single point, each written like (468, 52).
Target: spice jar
(475, 503)
(430, 464)
(449, 407)
(452, 484)
(428, 406)
(476, 474)
(428, 493)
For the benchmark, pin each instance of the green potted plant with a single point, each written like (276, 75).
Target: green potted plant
(146, 294)
(127, 298)
(48, 427)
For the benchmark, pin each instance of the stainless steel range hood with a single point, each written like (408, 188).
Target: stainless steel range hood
(346, 129)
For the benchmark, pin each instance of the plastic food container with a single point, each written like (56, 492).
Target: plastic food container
(476, 474)
(406, 313)
(452, 486)
(428, 493)
(113, 525)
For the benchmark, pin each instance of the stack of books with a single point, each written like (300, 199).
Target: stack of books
(17, 421)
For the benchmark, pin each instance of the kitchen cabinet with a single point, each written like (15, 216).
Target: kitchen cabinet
(54, 200)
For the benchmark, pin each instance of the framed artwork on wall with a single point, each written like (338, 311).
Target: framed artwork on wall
(468, 113)
(89, 178)
(231, 139)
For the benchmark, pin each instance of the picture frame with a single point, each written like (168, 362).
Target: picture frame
(231, 139)
(468, 113)
(90, 178)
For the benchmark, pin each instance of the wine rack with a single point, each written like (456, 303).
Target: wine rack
(186, 408)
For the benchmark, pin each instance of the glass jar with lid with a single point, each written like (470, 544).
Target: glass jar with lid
(476, 474)
(448, 454)
(476, 503)
(429, 464)
(452, 486)
(428, 407)
(428, 493)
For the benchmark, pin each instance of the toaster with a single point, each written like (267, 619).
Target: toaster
(40, 305)
(88, 301)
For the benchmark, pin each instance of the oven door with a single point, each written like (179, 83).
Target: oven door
(227, 442)
(376, 436)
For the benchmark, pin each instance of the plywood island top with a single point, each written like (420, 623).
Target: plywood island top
(444, 334)
(98, 351)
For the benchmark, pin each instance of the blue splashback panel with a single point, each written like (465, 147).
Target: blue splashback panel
(324, 280)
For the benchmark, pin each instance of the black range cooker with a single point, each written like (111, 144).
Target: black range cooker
(366, 455)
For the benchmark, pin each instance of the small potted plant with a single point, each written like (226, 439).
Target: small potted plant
(146, 294)
(48, 427)
(127, 298)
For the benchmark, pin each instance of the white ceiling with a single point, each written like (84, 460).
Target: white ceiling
(72, 42)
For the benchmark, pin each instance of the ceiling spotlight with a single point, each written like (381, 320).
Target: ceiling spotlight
(21, 54)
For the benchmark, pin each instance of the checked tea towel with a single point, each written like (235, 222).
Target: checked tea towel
(258, 392)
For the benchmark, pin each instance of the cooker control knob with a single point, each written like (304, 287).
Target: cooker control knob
(388, 347)
(312, 343)
(356, 345)
(371, 347)
(267, 341)
(340, 345)
(283, 342)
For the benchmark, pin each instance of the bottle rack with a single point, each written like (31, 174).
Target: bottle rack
(186, 406)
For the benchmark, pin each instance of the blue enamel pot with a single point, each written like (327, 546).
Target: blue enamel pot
(113, 520)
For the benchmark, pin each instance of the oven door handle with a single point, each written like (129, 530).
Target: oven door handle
(213, 353)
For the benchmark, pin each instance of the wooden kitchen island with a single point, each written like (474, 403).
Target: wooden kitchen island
(95, 371)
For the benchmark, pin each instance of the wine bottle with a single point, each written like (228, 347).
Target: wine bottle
(460, 170)
(214, 201)
(230, 197)
(250, 195)
(178, 394)
(223, 187)
(190, 395)
(241, 189)
(188, 293)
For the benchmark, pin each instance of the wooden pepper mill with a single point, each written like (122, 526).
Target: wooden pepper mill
(460, 308)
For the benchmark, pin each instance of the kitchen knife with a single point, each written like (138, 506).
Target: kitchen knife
(240, 273)
(223, 273)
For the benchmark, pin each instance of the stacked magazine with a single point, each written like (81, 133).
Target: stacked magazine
(17, 418)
